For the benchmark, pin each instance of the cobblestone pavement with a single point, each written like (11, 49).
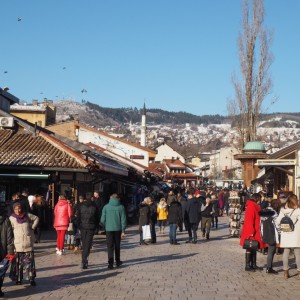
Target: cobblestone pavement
(207, 270)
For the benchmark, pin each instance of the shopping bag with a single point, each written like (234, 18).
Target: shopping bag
(146, 232)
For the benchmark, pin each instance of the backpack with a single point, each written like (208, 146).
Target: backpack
(268, 231)
(286, 223)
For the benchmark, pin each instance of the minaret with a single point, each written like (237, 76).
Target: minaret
(143, 127)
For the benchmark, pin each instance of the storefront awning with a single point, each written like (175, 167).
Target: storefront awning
(28, 176)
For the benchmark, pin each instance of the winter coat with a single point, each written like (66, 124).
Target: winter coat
(221, 200)
(269, 231)
(87, 216)
(252, 223)
(162, 212)
(290, 239)
(6, 237)
(175, 213)
(192, 211)
(153, 213)
(144, 215)
(207, 211)
(113, 216)
(24, 233)
(215, 207)
(62, 214)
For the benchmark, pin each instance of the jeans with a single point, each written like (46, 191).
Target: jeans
(271, 252)
(285, 258)
(87, 240)
(192, 231)
(113, 240)
(172, 233)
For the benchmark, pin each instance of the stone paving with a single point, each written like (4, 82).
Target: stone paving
(207, 270)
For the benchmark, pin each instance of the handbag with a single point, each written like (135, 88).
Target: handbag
(251, 244)
(146, 232)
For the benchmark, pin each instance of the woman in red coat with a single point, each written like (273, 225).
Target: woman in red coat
(62, 214)
(251, 228)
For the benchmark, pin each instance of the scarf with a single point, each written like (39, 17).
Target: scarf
(20, 218)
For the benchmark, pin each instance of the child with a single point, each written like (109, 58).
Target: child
(162, 214)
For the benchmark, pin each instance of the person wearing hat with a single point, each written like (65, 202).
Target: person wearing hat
(23, 225)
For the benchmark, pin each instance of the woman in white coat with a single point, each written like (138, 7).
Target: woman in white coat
(290, 240)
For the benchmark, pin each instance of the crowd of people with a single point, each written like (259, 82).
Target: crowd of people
(269, 224)
(273, 224)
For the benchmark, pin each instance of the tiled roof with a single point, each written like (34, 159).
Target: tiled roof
(37, 151)
(174, 164)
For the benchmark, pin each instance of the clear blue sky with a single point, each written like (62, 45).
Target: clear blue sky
(177, 55)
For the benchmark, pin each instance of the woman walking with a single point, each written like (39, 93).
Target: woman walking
(23, 225)
(162, 214)
(290, 240)
(62, 215)
(251, 229)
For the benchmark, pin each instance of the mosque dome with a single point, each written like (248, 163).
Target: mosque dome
(254, 147)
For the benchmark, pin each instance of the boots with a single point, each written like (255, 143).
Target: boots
(248, 267)
(254, 266)
(286, 274)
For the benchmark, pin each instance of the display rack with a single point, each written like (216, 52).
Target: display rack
(235, 214)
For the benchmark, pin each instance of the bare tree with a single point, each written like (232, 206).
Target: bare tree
(255, 60)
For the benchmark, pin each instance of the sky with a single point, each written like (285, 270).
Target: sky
(173, 55)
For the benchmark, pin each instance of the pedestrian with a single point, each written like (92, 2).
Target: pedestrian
(113, 219)
(87, 222)
(162, 214)
(182, 200)
(192, 217)
(171, 197)
(215, 211)
(221, 203)
(153, 220)
(174, 218)
(290, 240)
(38, 209)
(6, 241)
(206, 218)
(23, 200)
(62, 216)
(251, 229)
(270, 232)
(144, 217)
(23, 225)
(100, 202)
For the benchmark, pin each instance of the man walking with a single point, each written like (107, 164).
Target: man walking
(192, 217)
(113, 219)
(88, 219)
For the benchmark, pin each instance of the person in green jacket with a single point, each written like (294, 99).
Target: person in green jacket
(113, 219)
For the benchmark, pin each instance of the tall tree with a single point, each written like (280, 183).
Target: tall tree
(255, 60)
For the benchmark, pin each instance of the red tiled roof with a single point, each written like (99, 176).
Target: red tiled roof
(174, 164)
(40, 151)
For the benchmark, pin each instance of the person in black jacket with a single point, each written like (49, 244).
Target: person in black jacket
(88, 220)
(174, 218)
(192, 217)
(153, 220)
(144, 217)
(6, 241)
(206, 214)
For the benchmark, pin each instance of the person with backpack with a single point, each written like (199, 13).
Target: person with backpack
(270, 232)
(288, 221)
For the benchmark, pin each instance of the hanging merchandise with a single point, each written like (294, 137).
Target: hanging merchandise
(235, 213)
